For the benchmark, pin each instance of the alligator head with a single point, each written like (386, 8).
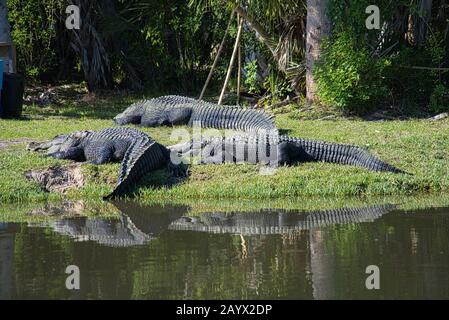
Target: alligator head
(59, 143)
(132, 114)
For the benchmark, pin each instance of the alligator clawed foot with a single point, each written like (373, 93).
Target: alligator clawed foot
(33, 146)
(178, 170)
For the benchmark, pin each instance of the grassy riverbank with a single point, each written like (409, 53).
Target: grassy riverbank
(54, 210)
(420, 147)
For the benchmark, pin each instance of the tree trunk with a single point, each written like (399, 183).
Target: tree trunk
(322, 266)
(318, 27)
(426, 11)
(90, 46)
(418, 24)
(5, 29)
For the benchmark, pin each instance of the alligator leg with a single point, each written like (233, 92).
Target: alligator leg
(214, 159)
(289, 154)
(212, 154)
(99, 152)
(104, 155)
(135, 119)
(73, 153)
(178, 170)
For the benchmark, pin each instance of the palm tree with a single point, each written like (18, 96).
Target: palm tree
(88, 43)
(317, 28)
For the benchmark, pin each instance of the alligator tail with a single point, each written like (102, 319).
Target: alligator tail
(143, 156)
(343, 154)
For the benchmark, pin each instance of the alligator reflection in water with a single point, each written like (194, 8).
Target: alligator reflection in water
(278, 254)
(138, 225)
(276, 221)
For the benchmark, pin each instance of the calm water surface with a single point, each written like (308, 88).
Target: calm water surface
(168, 253)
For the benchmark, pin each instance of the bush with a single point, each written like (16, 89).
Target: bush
(439, 99)
(410, 87)
(34, 31)
(347, 77)
(251, 79)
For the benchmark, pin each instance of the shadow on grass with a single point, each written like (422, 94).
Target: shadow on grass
(73, 101)
(158, 179)
(99, 110)
(401, 111)
(285, 131)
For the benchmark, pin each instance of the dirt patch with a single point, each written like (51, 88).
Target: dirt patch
(58, 178)
(7, 143)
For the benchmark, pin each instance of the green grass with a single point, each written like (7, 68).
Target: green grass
(308, 204)
(419, 147)
(41, 212)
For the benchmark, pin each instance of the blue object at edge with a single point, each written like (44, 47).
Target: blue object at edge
(1, 86)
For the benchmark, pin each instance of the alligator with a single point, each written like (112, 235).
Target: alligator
(277, 150)
(138, 153)
(276, 221)
(173, 110)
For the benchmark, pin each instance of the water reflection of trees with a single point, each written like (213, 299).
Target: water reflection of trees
(411, 250)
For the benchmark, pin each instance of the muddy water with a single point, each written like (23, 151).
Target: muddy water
(168, 253)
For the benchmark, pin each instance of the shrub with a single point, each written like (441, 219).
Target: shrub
(251, 79)
(34, 30)
(347, 76)
(439, 99)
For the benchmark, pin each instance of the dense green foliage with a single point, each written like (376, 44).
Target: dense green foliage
(347, 76)
(34, 32)
(399, 65)
(161, 44)
(168, 46)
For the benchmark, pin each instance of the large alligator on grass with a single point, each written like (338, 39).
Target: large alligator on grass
(277, 150)
(172, 110)
(138, 153)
